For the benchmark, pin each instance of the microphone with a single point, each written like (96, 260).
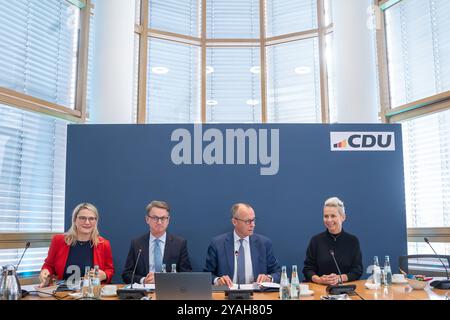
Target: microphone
(24, 292)
(439, 284)
(23, 253)
(132, 293)
(340, 288)
(337, 266)
(135, 266)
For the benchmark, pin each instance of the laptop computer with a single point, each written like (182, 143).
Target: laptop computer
(183, 286)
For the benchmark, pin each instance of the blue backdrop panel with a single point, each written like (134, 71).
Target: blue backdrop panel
(121, 168)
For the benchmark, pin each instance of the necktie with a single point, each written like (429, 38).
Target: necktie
(158, 256)
(241, 263)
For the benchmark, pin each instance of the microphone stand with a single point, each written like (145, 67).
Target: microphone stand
(131, 293)
(340, 288)
(439, 284)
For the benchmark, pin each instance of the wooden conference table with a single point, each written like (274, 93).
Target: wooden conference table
(394, 292)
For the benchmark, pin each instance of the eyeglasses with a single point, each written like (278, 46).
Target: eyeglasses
(248, 221)
(156, 219)
(90, 219)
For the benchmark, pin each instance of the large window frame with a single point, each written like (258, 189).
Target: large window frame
(144, 33)
(414, 109)
(17, 240)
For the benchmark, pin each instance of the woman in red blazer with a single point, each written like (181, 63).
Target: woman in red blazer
(78, 248)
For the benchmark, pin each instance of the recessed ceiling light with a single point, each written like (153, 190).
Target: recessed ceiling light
(256, 69)
(302, 70)
(251, 102)
(160, 70)
(211, 102)
(209, 69)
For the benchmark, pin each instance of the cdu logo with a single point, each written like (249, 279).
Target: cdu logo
(362, 141)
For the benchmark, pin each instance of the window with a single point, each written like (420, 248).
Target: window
(229, 19)
(39, 49)
(293, 88)
(233, 85)
(41, 46)
(172, 85)
(284, 17)
(418, 37)
(418, 51)
(226, 81)
(426, 143)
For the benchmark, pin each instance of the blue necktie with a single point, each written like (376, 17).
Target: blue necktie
(158, 256)
(241, 263)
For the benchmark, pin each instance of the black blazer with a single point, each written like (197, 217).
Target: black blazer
(175, 251)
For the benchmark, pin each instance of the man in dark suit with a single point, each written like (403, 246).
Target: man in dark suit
(157, 247)
(242, 256)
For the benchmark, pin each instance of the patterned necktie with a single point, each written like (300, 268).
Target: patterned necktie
(241, 263)
(158, 256)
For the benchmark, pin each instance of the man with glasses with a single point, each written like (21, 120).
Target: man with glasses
(242, 256)
(157, 248)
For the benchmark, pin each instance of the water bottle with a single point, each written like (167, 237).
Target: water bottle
(86, 289)
(174, 268)
(376, 271)
(96, 283)
(163, 268)
(284, 285)
(295, 284)
(387, 272)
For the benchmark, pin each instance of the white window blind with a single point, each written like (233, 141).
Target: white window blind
(38, 48)
(232, 19)
(173, 93)
(137, 11)
(233, 85)
(32, 167)
(288, 16)
(175, 16)
(294, 82)
(331, 77)
(423, 248)
(418, 38)
(426, 148)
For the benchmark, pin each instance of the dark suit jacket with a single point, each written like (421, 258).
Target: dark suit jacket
(175, 251)
(220, 257)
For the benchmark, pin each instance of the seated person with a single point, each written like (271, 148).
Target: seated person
(80, 247)
(157, 248)
(319, 266)
(242, 256)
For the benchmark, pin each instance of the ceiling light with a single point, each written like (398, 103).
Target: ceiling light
(252, 102)
(302, 70)
(160, 70)
(211, 102)
(256, 69)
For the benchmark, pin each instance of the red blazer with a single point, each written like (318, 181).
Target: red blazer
(59, 252)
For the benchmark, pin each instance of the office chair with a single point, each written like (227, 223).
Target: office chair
(426, 264)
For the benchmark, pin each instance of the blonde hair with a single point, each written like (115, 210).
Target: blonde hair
(71, 236)
(335, 202)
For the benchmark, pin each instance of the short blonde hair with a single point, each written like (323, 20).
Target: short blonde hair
(71, 236)
(335, 202)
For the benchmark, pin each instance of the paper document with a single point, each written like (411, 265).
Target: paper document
(251, 286)
(150, 286)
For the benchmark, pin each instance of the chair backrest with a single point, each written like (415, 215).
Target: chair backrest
(426, 264)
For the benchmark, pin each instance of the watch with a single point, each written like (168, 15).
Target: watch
(270, 277)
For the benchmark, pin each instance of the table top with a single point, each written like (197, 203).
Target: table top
(393, 292)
